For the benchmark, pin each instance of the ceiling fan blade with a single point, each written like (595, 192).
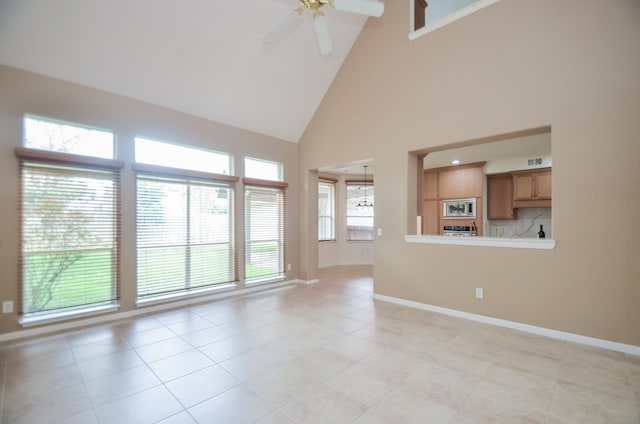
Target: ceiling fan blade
(362, 7)
(281, 27)
(322, 34)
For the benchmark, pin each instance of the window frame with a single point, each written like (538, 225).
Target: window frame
(329, 182)
(280, 187)
(54, 159)
(187, 177)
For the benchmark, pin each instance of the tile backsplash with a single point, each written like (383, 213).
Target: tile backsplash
(526, 226)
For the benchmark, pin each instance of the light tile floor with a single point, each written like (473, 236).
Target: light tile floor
(323, 353)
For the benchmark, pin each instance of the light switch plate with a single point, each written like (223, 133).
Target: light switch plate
(7, 307)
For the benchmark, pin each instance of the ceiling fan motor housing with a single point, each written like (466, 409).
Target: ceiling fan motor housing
(315, 4)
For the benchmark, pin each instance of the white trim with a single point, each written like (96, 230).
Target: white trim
(315, 281)
(260, 281)
(48, 318)
(458, 14)
(172, 297)
(515, 243)
(103, 319)
(561, 335)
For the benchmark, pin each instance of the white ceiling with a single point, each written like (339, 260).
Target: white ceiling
(529, 146)
(201, 57)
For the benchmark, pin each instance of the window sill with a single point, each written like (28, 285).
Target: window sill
(524, 243)
(30, 321)
(153, 300)
(269, 280)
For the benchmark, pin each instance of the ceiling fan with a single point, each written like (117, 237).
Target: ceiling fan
(361, 7)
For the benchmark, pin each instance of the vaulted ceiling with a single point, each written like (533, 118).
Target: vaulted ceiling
(202, 57)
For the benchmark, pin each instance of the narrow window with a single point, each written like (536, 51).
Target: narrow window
(70, 220)
(264, 221)
(326, 210)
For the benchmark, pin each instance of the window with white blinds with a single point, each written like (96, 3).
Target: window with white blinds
(326, 210)
(70, 219)
(264, 230)
(184, 236)
(185, 240)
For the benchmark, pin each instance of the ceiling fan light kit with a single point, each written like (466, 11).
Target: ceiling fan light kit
(361, 7)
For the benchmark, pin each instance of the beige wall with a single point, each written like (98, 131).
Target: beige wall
(22, 92)
(572, 65)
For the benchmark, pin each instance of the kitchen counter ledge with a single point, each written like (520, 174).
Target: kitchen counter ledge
(515, 243)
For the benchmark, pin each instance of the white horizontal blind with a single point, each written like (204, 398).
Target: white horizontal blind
(69, 256)
(184, 235)
(264, 233)
(326, 211)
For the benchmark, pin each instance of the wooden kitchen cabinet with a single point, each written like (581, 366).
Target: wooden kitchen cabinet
(461, 182)
(532, 188)
(430, 186)
(500, 197)
(431, 217)
(450, 182)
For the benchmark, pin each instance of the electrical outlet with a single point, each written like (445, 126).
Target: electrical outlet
(288, 267)
(479, 293)
(7, 307)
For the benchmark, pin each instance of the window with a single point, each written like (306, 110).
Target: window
(262, 169)
(429, 15)
(184, 227)
(264, 221)
(70, 229)
(170, 155)
(326, 210)
(58, 136)
(359, 218)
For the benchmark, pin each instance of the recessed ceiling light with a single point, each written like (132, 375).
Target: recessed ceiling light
(455, 161)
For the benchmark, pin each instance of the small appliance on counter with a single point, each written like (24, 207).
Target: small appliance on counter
(457, 230)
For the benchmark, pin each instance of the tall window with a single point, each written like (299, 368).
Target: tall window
(326, 210)
(264, 221)
(359, 218)
(70, 229)
(184, 223)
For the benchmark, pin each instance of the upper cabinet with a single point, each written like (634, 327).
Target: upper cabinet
(532, 188)
(461, 182)
(430, 185)
(500, 197)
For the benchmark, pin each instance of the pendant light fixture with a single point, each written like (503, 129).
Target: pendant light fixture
(365, 204)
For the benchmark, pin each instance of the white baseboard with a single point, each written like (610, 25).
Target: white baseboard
(107, 318)
(316, 281)
(561, 335)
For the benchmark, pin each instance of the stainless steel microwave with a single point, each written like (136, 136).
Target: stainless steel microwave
(459, 208)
